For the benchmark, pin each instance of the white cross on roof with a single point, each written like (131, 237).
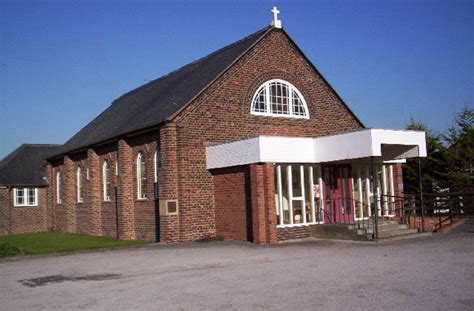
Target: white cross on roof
(276, 22)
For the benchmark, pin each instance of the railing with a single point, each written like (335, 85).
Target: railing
(430, 214)
(344, 211)
(437, 210)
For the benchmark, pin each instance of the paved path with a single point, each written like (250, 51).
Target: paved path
(428, 273)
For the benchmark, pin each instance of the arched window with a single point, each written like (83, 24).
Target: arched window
(279, 98)
(58, 187)
(79, 184)
(141, 175)
(157, 163)
(106, 180)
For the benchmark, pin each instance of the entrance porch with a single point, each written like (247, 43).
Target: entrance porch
(341, 179)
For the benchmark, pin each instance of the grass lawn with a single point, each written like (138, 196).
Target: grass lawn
(54, 242)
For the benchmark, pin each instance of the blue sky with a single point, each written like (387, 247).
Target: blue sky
(63, 62)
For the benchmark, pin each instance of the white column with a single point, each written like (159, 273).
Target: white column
(290, 193)
(280, 194)
(303, 205)
(384, 189)
(311, 191)
(321, 193)
(367, 189)
(359, 187)
(392, 189)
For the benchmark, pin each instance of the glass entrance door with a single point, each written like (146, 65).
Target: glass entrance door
(338, 186)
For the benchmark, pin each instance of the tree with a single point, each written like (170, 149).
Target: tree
(460, 141)
(433, 167)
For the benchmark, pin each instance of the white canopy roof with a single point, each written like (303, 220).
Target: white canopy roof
(382, 144)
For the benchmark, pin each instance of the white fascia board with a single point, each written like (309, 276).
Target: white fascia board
(399, 144)
(399, 137)
(343, 146)
(279, 149)
(234, 153)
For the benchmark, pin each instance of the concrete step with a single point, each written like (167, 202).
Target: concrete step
(391, 227)
(337, 231)
(351, 232)
(370, 223)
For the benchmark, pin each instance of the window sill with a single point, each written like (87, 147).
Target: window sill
(22, 206)
(141, 200)
(106, 201)
(261, 114)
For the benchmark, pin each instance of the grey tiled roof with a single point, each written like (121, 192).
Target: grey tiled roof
(25, 166)
(154, 102)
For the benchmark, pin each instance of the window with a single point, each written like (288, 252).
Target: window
(279, 98)
(157, 164)
(58, 188)
(25, 196)
(298, 195)
(106, 180)
(79, 184)
(141, 175)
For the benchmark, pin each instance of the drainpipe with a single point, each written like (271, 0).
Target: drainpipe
(11, 201)
(420, 178)
(117, 232)
(374, 190)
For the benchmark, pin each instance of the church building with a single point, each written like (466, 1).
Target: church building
(248, 143)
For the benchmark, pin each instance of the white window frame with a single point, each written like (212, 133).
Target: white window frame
(392, 191)
(301, 198)
(268, 103)
(140, 176)
(26, 202)
(157, 164)
(79, 185)
(105, 180)
(58, 188)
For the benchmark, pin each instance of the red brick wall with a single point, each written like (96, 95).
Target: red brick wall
(294, 233)
(262, 185)
(96, 216)
(232, 201)
(5, 204)
(108, 212)
(22, 219)
(170, 229)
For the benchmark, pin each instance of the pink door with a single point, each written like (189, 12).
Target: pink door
(338, 192)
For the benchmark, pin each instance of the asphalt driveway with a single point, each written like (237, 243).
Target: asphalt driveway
(426, 273)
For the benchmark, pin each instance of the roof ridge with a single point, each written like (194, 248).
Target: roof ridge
(40, 145)
(189, 64)
(9, 157)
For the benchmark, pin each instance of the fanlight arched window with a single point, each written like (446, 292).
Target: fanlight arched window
(106, 180)
(79, 184)
(141, 175)
(58, 187)
(279, 98)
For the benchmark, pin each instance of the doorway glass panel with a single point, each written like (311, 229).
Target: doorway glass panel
(310, 194)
